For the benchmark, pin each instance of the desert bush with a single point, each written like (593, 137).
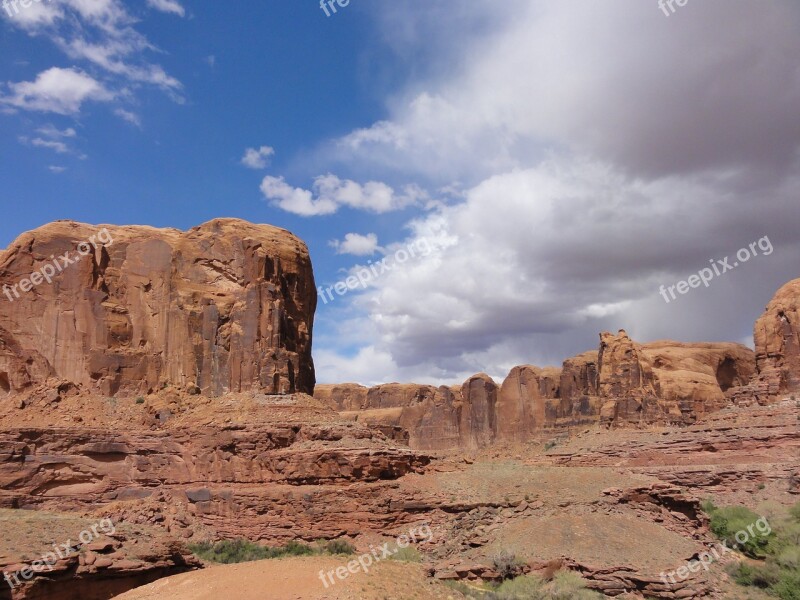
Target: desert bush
(340, 547)
(231, 551)
(708, 506)
(567, 585)
(779, 573)
(409, 554)
(238, 551)
(564, 586)
(727, 521)
(506, 564)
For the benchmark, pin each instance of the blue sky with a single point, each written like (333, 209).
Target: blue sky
(563, 161)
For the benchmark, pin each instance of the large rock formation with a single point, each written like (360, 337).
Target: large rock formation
(777, 339)
(160, 378)
(224, 307)
(622, 383)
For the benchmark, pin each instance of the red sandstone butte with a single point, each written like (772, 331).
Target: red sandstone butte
(224, 307)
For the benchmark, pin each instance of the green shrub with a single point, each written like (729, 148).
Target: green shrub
(788, 587)
(564, 586)
(520, 588)
(297, 549)
(727, 521)
(140, 400)
(779, 573)
(409, 554)
(340, 547)
(237, 551)
(708, 506)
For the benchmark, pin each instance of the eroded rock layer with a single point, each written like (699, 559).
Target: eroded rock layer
(622, 383)
(224, 307)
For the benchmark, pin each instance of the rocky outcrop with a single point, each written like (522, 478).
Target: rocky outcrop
(247, 465)
(623, 383)
(89, 558)
(224, 307)
(777, 340)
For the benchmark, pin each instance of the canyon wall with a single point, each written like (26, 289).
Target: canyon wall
(224, 307)
(621, 384)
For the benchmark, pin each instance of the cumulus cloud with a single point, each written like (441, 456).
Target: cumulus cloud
(128, 116)
(610, 79)
(603, 150)
(356, 244)
(168, 6)
(102, 33)
(257, 158)
(57, 170)
(329, 193)
(56, 90)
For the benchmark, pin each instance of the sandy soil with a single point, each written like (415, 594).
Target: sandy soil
(294, 579)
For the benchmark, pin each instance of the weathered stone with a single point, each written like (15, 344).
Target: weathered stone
(227, 306)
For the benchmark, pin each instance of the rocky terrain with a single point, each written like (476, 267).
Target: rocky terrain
(121, 556)
(164, 382)
(623, 384)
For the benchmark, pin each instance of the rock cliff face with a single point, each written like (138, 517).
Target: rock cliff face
(225, 307)
(777, 339)
(622, 383)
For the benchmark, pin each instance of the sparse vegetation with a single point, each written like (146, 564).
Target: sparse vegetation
(342, 547)
(409, 554)
(564, 586)
(140, 400)
(778, 570)
(727, 521)
(550, 445)
(238, 551)
(506, 564)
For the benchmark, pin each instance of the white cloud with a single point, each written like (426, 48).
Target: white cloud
(128, 116)
(357, 244)
(295, 200)
(606, 79)
(102, 33)
(59, 147)
(168, 6)
(56, 170)
(52, 132)
(332, 192)
(603, 151)
(37, 15)
(56, 90)
(257, 158)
